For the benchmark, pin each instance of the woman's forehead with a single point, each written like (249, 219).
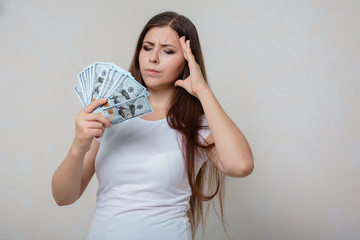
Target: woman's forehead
(162, 35)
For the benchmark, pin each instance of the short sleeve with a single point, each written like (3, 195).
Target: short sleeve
(204, 132)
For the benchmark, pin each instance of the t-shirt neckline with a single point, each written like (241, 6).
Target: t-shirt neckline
(152, 121)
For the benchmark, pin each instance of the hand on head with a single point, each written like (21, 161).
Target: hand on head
(195, 82)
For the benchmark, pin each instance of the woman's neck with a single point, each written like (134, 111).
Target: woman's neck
(159, 101)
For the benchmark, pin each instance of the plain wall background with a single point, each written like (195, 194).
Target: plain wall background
(286, 72)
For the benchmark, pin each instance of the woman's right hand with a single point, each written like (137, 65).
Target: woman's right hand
(90, 125)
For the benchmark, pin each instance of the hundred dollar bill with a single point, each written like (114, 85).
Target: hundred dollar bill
(79, 93)
(85, 84)
(127, 110)
(101, 74)
(82, 87)
(88, 80)
(91, 80)
(124, 90)
(115, 77)
(107, 84)
(109, 113)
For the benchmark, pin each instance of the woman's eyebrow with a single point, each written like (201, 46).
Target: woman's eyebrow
(163, 45)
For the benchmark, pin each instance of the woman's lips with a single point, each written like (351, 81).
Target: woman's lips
(151, 71)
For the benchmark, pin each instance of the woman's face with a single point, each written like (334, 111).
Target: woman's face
(161, 58)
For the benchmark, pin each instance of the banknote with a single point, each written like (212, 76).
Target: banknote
(124, 91)
(79, 93)
(124, 111)
(81, 88)
(101, 75)
(127, 98)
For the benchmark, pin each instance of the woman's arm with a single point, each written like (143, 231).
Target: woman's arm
(75, 172)
(232, 154)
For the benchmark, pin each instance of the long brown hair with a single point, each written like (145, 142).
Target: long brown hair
(184, 115)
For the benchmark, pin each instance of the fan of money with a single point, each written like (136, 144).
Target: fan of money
(126, 97)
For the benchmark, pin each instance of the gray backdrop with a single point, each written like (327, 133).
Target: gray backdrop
(287, 72)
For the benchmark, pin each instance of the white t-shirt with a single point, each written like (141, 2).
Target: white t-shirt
(143, 186)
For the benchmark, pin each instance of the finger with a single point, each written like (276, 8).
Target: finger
(98, 133)
(88, 133)
(183, 47)
(189, 53)
(94, 124)
(179, 83)
(95, 104)
(97, 117)
(184, 84)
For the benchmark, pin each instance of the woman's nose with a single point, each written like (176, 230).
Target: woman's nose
(154, 57)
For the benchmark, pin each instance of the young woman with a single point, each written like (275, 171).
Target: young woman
(155, 171)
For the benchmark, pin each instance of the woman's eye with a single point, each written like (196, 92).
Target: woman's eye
(146, 48)
(169, 51)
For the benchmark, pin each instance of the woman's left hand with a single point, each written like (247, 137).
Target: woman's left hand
(232, 154)
(195, 82)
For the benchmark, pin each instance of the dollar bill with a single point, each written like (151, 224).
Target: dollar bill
(107, 84)
(101, 74)
(125, 90)
(80, 88)
(127, 110)
(79, 93)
